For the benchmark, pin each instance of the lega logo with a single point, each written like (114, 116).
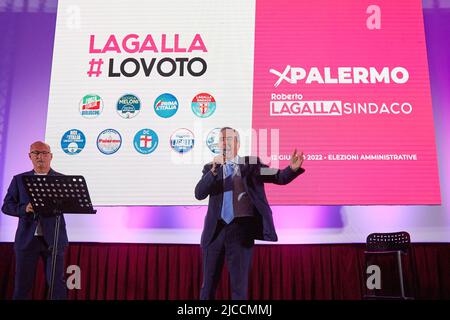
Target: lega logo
(73, 141)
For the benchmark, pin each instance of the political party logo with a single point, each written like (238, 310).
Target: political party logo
(109, 141)
(212, 140)
(182, 140)
(166, 105)
(145, 141)
(91, 105)
(128, 106)
(73, 141)
(203, 105)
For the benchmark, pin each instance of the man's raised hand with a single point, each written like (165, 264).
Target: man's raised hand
(296, 160)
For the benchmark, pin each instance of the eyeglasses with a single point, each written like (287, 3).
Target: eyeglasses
(228, 139)
(37, 153)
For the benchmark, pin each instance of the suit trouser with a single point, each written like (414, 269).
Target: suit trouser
(26, 265)
(234, 243)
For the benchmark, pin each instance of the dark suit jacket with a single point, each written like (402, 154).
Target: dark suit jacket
(15, 203)
(254, 175)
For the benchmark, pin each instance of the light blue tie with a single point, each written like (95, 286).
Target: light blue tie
(227, 213)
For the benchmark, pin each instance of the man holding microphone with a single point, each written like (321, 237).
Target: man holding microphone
(238, 212)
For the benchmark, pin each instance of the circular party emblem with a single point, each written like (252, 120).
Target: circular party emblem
(203, 105)
(212, 140)
(73, 141)
(182, 140)
(145, 141)
(91, 105)
(128, 106)
(109, 141)
(166, 105)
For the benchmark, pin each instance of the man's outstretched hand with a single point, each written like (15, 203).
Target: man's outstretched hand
(296, 160)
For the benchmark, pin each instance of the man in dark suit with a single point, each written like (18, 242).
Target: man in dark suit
(35, 234)
(238, 212)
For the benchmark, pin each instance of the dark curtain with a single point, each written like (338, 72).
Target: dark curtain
(169, 271)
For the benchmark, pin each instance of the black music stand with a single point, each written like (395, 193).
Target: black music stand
(51, 196)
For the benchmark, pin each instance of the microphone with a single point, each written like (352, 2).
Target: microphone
(224, 152)
(218, 165)
(224, 155)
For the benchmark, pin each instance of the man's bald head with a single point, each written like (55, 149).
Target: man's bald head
(39, 144)
(41, 156)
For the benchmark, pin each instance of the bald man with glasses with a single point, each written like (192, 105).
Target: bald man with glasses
(35, 234)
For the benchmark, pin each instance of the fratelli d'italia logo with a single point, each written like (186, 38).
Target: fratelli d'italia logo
(91, 105)
(203, 105)
(128, 106)
(145, 141)
(166, 105)
(73, 141)
(182, 140)
(109, 141)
